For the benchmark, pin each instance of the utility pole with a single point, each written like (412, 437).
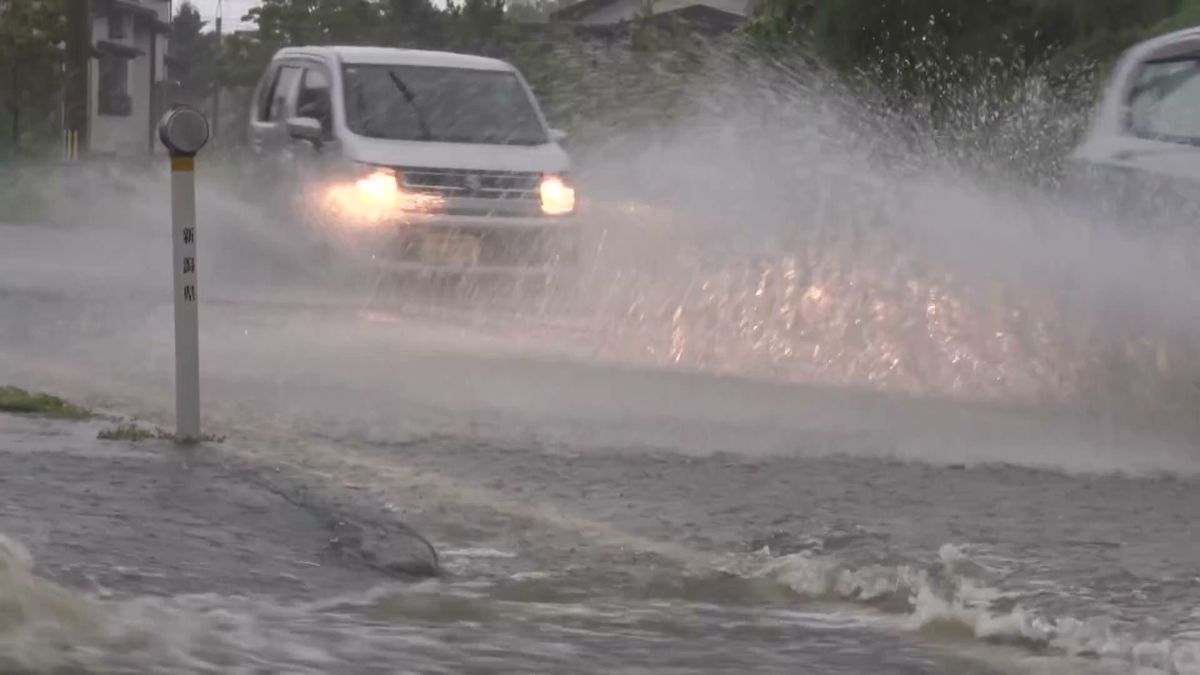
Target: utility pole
(78, 56)
(12, 20)
(216, 113)
(15, 81)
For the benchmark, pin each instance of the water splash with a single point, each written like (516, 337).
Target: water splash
(769, 221)
(786, 228)
(952, 599)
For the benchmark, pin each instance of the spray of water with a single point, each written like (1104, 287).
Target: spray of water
(787, 229)
(762, 219)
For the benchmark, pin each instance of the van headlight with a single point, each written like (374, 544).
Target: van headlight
(378, 189)
(372, 196)
(558, 197)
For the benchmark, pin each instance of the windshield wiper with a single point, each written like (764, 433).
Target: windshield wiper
(426, 135)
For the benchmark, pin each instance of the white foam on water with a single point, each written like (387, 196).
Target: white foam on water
(45, 627)
(944, 601)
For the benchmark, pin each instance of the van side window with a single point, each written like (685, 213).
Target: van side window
(314, 100)
(285, 82)
(263, 104)
(1165, 100)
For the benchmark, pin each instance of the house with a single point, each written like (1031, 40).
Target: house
(608, 28)
(712, 15)
(125, 75)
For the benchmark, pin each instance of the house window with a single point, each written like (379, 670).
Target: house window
(113, 94)
(116, 25)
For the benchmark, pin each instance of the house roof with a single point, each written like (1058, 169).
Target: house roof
(398, 57)
(701, 19)
(118, 49)
(705, 17)
(135, 8)
(580, 10)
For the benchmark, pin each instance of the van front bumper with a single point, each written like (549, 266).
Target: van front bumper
(470, 244)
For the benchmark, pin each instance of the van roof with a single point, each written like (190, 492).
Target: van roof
(389, 56)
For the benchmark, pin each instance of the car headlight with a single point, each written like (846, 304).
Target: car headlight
(372, 196)
(378, 189)
(558, 198)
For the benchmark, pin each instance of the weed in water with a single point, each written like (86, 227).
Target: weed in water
(17, 400)
(133, 433)
(204, 438)
(128, 432)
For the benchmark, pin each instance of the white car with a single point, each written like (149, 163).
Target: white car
(1141, 157)
(414, 159)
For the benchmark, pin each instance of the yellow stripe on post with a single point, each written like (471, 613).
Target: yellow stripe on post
(183, 163)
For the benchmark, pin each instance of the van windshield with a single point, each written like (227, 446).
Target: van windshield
(452, 105)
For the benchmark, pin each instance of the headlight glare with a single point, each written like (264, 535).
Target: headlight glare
(558, 198)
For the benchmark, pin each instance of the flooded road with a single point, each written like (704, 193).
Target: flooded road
(821, 404)
(595, 515)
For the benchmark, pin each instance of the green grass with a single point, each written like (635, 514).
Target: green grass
(17, 400)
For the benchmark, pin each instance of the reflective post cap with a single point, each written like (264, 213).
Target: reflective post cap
(184, 130)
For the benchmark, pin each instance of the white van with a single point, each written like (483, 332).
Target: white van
(1141, 157)
(415, 159)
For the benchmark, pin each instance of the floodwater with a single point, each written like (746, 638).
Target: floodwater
(809, 412)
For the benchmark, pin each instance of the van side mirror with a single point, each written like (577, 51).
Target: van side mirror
(558, 135)
(305, 129)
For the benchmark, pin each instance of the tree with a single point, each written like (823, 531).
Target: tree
(919, 48)
(193, 55)
(244, 57)
(413, 23)
(531, 11)
(474, 23)
(31, 64)
(317, 22)
(783, 22)
(852, 33)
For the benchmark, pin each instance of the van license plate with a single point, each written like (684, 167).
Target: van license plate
(449, 249)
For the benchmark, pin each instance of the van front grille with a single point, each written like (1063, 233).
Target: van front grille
(471, 184)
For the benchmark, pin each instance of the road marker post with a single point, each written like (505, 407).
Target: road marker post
(184, 131)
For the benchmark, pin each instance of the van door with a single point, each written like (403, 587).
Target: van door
(262, 102)
(273, 107)
(314, 100)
